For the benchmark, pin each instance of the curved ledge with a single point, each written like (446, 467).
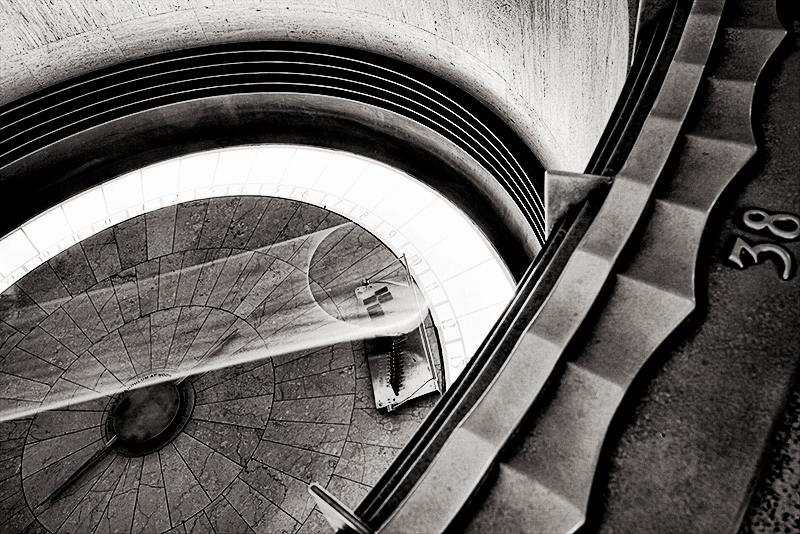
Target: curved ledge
(95, 127)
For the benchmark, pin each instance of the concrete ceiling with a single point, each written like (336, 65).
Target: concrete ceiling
(551, 69)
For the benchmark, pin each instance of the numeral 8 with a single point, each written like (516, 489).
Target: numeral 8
(759, 219)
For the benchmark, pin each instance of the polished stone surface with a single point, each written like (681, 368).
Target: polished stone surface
(215, 280)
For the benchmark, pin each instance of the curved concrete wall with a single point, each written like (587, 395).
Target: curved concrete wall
(551, 68)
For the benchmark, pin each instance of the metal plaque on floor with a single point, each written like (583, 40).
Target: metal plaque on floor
(400, 366)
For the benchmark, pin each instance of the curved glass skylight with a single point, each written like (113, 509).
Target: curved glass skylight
(465, 282)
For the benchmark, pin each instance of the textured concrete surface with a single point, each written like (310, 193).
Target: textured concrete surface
(775, 506)
(155, 294)
(574, 55)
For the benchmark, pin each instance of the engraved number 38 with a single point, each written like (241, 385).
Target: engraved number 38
(756, 219)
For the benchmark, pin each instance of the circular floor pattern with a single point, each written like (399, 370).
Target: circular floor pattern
(148, 302)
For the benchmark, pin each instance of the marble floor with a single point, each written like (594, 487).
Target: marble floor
(220, 296)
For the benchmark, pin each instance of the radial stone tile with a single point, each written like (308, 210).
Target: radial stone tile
(235, 442)
(73, 502)
(57, 423)
(10, 466)
(198, 524)
(224, 518)
(40, 343)
(304, 464)
(184, 495)
(168, 278)
(163, 325)
(83, 313)
(317, 385)
(365, 463)
(212, 470)
(258, 511)
(131, 242)
(20, 363)
(234, 266)
(288, 493)
(44, 287)
(218, 216)
(332, 409)
(151, 512)
(136, 338)
(127, 292)
(73, 269)
(191, 267)
(209, 273)
(147, 284)
(348, 491)
(118, 515)
(111, 352)
(18, 310)
(61, 326)
(104, 299)
(251, 412)
(252, 383)
(188, 224)
(102, 254)
(87, 371)
(55, 470)
(87, 514)
(160, 232)
(248, 212)
(9, 337)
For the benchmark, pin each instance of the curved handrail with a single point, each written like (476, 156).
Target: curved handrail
(445, 415)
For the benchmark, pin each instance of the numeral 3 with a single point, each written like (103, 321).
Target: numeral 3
(756, 250)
